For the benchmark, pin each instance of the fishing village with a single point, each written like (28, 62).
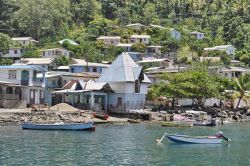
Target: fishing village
(104, 82)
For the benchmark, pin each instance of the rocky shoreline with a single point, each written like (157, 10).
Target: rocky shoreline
(230, 115)
(9, 118)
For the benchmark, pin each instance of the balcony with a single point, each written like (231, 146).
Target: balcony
(25, 82)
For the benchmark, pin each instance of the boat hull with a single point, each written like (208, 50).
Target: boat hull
(103, 117)
(179, 124)
(71, 126)
(194, 140)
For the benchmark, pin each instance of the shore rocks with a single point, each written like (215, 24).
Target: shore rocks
(16, 118)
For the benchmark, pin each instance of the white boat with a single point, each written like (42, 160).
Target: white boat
(217, 139)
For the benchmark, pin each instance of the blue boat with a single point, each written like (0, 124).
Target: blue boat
(59, 126)
(217, 139)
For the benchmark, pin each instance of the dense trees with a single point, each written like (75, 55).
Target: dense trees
(197, 85)
(223, 22)
(5, 42)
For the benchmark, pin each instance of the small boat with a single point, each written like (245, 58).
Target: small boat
(177, 124)
(204, 123)
(100, 116)
(134, 121)
(217, 139)
(59, 126)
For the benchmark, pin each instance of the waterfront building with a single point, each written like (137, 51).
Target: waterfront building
(84, 95)
(129, 83)
(21, 86)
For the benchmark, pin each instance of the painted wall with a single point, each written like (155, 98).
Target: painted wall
(80, 69)
(140, 40)
(55, 52)
(128, 87)
(4, 76)
(14, 53)
(127, 102)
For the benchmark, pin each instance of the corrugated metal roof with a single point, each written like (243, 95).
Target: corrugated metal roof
(39, 68)
(37, 61)
(123, 69)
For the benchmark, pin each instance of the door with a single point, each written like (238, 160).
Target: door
(36, 97)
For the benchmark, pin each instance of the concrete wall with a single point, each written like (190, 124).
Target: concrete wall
(128, 87)
(80, 69)
(129, 102)
(12, 54)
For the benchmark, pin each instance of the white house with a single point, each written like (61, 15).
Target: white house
(128, 82)
(127, 47)
(229, 49)
(84, 95)
(229, 72)
(83, 66)
(144, 39)
(24, 41)
(13, 52)
(154, 49)
(54, 52)
(111, 40)
(198, 35)
(136, 26)
(47, 63)
(211, 59)
(21, 86)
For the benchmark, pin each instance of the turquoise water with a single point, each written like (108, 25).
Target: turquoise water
(122, 145)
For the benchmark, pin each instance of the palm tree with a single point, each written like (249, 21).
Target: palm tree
(241, 85)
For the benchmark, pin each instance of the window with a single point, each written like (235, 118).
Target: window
(31, 94)
(15, 51)
(137, 86)
(41, 94)
(12, 74)
(53, 83)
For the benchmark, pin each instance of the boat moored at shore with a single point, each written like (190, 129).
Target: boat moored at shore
(59, 126)
(217, 139)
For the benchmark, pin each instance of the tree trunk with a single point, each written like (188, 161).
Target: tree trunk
(173, 101)
(238, 102)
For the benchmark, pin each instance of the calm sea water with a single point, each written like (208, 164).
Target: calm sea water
(122, 145)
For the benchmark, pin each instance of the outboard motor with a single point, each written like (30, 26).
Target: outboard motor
(219, 134)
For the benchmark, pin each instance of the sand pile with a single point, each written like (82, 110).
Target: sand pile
(63, 107)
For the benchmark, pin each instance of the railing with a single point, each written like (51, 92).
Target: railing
(25, 82)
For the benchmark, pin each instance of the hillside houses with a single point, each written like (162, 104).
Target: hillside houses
(197, 35)
(81, 65)
(229, 49)
(24, 41)
(111, 40)
(55, 52)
